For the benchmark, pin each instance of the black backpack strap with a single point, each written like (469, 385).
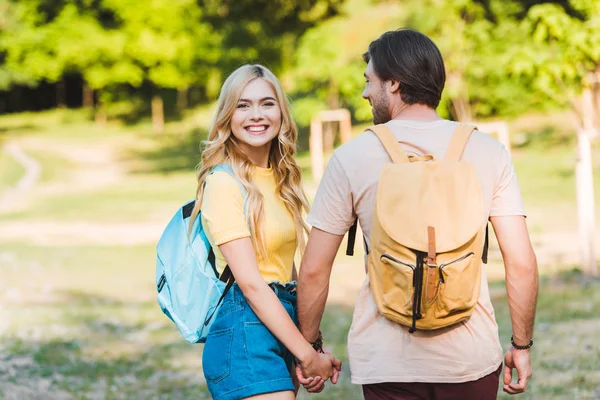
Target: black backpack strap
(351, 238)
(486, 245)
(212, 261)
(227, 277)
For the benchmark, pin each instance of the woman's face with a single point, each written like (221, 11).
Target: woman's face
(256, 120)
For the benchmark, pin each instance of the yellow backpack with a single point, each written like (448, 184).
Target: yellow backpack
(427, 241)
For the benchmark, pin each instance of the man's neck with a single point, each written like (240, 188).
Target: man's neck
(415, 112)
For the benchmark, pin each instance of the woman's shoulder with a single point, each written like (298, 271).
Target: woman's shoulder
(221, 181)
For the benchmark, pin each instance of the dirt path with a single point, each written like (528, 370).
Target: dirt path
(97, 165)
(33, 170)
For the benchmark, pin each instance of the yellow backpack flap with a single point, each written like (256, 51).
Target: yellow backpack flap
(427, 239)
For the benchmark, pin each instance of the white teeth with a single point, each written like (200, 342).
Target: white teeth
(256, 128)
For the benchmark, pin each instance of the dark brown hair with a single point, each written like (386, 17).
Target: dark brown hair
(411, 58)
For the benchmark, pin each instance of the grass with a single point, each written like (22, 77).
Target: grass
(84, 317)
(80, 319)
(135, 200)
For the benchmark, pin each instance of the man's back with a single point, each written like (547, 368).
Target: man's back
(381, 350)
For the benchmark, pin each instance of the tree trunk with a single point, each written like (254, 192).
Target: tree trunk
(459, 97)
(158, 114)
(585, 187)
(60, 94)
(596, 99)
(462, 109)
(88, 96)
(101, 117)
(182, 100)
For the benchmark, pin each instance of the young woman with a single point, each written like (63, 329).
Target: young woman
(250, 349)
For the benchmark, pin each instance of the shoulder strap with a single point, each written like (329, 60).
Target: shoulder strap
(458, 142)
(351, 238)
(391, 145)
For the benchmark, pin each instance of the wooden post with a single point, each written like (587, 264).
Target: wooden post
(316, 148)
(316, 136)
(585, 186)
(500, 128)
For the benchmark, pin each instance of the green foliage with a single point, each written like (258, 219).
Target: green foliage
(502, 57)
(264, 31)
(162, 39)
(328, 70)
(563, 50)
(172, 44)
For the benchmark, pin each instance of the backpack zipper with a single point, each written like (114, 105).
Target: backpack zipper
(161, 282)
(452, 262)
(401, 263)
(398, 261)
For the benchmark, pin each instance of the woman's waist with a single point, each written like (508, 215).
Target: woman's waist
(269, 272)
(284, 292)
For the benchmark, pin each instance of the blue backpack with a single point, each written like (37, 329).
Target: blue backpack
(189, 286)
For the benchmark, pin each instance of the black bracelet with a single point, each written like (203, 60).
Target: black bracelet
(516, 346)
(318, 344)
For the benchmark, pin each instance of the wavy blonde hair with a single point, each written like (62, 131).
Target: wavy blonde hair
(222, 147)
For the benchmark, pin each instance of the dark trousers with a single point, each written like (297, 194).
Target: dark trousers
(485, 388)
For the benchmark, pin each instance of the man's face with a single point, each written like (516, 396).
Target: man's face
(376, 94)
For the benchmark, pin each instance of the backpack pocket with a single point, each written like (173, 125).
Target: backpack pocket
(398, 284)
(459, 282)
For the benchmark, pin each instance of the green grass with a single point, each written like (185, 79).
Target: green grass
(85, 317)
(10, 171)
(137, 199)
(82, 319)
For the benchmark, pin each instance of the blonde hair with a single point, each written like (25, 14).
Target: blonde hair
(222, 147)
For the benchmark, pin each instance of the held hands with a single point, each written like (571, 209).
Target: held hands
(518, 359)
(317, 369)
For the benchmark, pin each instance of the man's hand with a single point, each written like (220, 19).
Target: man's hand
(317, 384)
(312, 384)
(518, 359)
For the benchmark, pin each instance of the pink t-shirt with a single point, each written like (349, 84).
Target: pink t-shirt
(379, 349)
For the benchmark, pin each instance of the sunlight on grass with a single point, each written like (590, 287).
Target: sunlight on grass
(96, 323)
(81, 320)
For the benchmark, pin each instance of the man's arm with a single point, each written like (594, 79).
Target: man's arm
(522, 288)
(313, 283)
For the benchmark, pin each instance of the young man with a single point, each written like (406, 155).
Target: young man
(404, 82)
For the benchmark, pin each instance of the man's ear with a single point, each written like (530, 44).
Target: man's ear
(393, 86)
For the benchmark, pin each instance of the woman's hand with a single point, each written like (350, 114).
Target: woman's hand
(317, 384)
(323, 365)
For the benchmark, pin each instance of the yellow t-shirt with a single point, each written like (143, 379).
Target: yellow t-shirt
(224, 220)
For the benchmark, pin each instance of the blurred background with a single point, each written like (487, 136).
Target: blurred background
(104, 103)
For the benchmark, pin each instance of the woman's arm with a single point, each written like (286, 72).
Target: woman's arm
(241, 258)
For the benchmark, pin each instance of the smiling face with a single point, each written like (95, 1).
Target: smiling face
(256, 120)
(375, 92)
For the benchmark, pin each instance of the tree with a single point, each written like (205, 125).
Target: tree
(168, 44)
(328, 68)
(264, 30)
(563, 61)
